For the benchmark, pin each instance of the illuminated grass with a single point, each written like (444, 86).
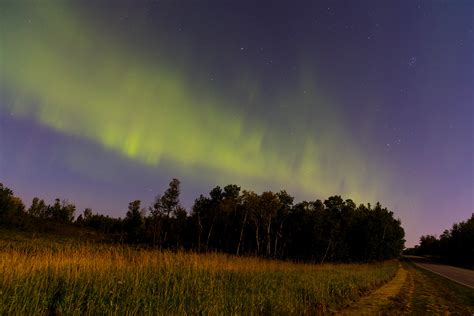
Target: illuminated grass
(41, 277)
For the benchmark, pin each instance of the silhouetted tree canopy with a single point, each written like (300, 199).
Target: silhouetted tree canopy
(455, 245)
(238, 221)
(12, 208)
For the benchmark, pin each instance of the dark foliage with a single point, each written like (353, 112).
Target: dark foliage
(12, 209)
(455, 245)
(238, 222)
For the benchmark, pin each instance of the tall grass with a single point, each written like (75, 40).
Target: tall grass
(41, 277)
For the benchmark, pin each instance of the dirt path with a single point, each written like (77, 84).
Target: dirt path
(414, 291)
(382, 297)
(430, 294)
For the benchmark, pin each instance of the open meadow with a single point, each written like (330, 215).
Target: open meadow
(42, 276)
(236, 157)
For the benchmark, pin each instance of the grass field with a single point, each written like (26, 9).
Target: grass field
(42, 276)
(426, 293)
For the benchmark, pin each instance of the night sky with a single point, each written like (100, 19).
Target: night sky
(102, 103)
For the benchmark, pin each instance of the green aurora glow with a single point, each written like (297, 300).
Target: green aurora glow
(81, 82)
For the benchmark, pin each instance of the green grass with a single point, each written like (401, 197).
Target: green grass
(428, 293)
(42, 276)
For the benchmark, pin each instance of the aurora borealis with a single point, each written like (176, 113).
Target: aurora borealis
(102, 103)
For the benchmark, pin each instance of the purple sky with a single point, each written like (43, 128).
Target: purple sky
(384, 92)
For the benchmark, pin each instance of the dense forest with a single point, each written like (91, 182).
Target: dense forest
(233, 221)
(455, 245)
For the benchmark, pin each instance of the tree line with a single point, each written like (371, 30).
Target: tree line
(455, 245)
(234, 221)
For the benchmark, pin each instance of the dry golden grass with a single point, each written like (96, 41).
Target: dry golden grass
(44, 277)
